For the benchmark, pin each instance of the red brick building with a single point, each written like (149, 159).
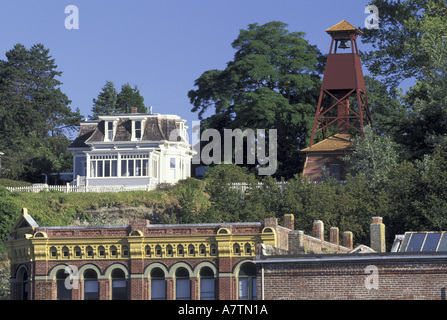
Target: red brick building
(141, 261)
(416, 269)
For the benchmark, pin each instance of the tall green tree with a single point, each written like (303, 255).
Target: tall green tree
(423, 128)
(33, 108)
(272, 83)
(105, 103)
(130, 97)
(408, 32)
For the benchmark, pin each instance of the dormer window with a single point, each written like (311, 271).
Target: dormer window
(138, 130)
(109, 133)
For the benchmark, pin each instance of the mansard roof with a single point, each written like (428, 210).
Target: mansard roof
(85, 132)
(156, 128)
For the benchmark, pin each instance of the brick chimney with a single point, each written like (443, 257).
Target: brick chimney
(318, 229)
(377, 235)
(133, 110)
(348, 239)
(289, 221)
(334, 235)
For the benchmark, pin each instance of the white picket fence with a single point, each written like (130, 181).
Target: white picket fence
(69, 188)
(244, 186)
(110, 188)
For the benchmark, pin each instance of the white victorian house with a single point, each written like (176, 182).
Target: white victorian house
(131, 149)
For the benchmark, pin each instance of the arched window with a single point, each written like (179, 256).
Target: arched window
(101, 252)
(113, 252)
(119, 285)
(207, 284)
(213, 250)
(63, 291)
(53, 253)
(91, 289)
(65, 252)
(77, 252)
(180, 250)
(89, 251)
(158, 251)
(158, 284)
(22, 277)
(236, 249)
(147, 251)
(202, 250)
(191, 250)
(182, 284)
(169, 252)
(247, 282)
(247, 249)
(125, 252)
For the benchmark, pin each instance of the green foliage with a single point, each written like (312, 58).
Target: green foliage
(129, 97)
(34, 114)
(109, 101)
(272, 83)
(408, 32)
(374, 156)
(9, 212)
(105, 102)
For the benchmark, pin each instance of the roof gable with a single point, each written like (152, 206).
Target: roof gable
(25, 222)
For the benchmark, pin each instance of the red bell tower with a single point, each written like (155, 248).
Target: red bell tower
(342, 104)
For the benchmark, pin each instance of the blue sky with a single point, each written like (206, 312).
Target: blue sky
(161, 46)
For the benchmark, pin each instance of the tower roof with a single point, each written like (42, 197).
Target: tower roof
(343, 26)
(338, 143)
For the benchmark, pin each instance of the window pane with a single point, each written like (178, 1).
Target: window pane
(107, 168)
(158, 290)
(114, 168)
(243, 288)
(124, 168)
(91, 290)
(93, 169)
(183, 289)
(138, 129)
(119, 290)
(145, 168)
(172, 164)
(137, 168)
(91, 286)
(207, 289)
(99, 169)
(62, 292)
(130, 169)
(254, 290)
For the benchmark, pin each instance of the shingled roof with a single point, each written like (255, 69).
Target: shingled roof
(86, 130)
(343, 26)
(339, 142)
(155, 129)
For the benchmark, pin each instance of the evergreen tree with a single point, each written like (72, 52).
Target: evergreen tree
(130, 97)
(33, 109)
(105, 103)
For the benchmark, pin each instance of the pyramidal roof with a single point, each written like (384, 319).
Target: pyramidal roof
(338, 143)
(343, 26)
